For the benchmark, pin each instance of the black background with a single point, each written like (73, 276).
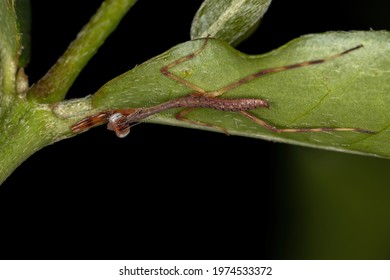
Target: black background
(99, 197)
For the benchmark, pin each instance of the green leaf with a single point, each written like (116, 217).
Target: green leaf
(350, 91)
(9, 46)
(231, 21)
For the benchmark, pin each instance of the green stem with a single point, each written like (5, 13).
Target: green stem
(23, 131)
(27, 127)
(9, 48)
(56, 83)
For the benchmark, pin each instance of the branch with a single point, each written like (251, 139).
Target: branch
(56, 83)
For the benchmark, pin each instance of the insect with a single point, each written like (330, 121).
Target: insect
(121, 120)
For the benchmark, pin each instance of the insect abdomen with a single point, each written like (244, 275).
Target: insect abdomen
(222, 104)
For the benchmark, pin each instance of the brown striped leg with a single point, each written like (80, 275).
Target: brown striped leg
(181, 116)
(293, 130)
(169, 74)
(264, 72)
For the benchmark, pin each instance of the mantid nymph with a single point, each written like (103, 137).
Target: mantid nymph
(121, 120)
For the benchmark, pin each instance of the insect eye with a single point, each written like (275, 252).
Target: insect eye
(118, 123)
(115, 117)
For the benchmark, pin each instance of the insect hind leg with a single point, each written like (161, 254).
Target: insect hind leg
(182, 116)
(294, 130)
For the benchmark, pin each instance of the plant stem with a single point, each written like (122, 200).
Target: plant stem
(27, 127)
(22, 133)
(57, 81)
